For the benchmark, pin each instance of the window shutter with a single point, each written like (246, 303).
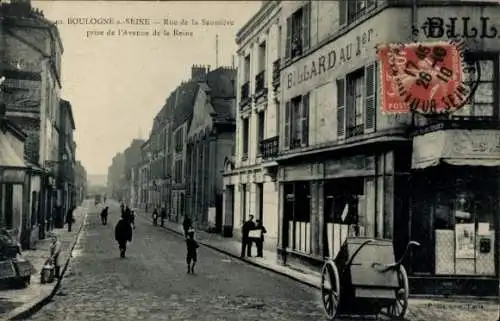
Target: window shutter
(288, 44)
(340, 108)
(350, 105)
(370, 97)
(342, 13)
(305, 120)
(306, 26)
(287, 125)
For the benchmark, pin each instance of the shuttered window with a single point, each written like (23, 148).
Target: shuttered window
(305, 120)
(288, 45)
(342, 13)
(306, 26)
(286, 133)
(370, 97)
(341, 108)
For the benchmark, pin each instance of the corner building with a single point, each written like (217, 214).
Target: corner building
(345, 168)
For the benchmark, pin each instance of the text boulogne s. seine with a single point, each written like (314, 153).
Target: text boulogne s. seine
(328, 61)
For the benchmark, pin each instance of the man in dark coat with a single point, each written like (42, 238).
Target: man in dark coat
(104, 216)
(123, 234)
(246, 242)
(163, 216)
(186, 225)
(260, 242)
(70, 219)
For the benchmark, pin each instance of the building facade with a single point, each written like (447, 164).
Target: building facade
(66, 158)
(30, 51)
(80, 182)
(132, 158)
(209, 140)
(116, 178)
(347, 169)
(250, 186)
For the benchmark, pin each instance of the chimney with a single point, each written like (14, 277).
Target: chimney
(198, 73)
(20, 7)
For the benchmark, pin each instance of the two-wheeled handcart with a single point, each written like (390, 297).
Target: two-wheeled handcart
(364, 279)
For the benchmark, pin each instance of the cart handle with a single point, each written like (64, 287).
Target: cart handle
(386, 267)
(356, 253)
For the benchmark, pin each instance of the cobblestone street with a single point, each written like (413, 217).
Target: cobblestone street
(152, 283)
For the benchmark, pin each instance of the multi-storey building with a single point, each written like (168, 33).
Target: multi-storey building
(66, 157)
(250, 178)
(346, 168)
(116, 178)
(30, 60)
(209, 140)
(132, 155)
(145, 176)
(80, 182)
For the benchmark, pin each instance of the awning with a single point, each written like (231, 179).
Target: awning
(458, 147)
(12, 166)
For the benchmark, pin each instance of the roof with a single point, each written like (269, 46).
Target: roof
(185, 98)
(222, 83)
(69, 108)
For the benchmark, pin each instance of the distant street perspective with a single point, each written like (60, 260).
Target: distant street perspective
(152, 283)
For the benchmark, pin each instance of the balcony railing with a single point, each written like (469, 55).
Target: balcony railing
(260, 83)
(245, 94)
(276, 73)
(269, 147)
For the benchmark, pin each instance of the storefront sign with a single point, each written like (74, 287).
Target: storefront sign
(458, 27)
(327, 59)
(457, 147)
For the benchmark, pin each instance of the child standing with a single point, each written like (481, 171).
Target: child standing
(191, 256)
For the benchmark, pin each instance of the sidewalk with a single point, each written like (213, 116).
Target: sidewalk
(420, 309)
(18, 303)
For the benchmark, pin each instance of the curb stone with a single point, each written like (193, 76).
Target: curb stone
(41, 301)
(315, 286)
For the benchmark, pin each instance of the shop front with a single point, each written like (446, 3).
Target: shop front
(455, 210)
(324, 202)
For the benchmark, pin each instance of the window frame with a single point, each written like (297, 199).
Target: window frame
(245, 138)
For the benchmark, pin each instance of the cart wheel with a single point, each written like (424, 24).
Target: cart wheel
(330, 289)
(397, 309)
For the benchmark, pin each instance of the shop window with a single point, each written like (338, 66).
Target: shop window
(297, 122)
(344, 214)
(297, 209)
(482, 103)
(298, 27)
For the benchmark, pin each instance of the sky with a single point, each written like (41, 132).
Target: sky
(118, 83)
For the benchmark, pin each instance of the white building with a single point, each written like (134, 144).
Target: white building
(250, 186)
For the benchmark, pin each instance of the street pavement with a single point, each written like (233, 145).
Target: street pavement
(151, 283)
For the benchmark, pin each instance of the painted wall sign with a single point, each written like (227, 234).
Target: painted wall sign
(458, 27)
(322, 60)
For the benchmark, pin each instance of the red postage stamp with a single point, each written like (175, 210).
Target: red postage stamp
(426, 78)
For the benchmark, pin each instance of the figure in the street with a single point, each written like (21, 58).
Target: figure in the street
(246, 242)
(163, 216)
(155, 217)
(122, 208)
(187, 225)
(70, 219)
(131, 215)
(259, 242)
(123, 233)
(192, 246)
(104, 216)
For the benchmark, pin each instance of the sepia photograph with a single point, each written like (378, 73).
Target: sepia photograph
(304, 160)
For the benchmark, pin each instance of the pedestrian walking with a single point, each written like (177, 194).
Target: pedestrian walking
(131, 215)
(70, 219)
(163, 216)
(259, 242)
(246, 242)
(192, 246)
(122, 208)
(123, 234)
(104, 216)
(187, 225)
